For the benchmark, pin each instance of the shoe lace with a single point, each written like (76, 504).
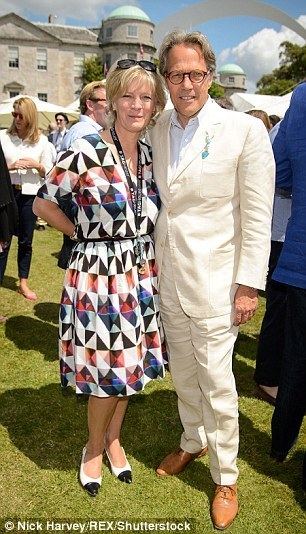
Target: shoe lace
(225, 491)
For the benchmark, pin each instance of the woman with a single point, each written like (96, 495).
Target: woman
(8, 209)
(262, 115)
(110, 345)
(28, 157)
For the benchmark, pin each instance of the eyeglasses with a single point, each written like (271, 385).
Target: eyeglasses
(93, 99)
(195, 76)
(15, 115)
(128, 63)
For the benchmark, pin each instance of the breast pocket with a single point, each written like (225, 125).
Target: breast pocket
(218, 178)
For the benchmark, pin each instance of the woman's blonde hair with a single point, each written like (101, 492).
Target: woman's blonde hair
(119, 80)
(27, 108)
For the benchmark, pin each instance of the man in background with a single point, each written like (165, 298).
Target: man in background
(93, 113)
(57, 137)
(92, 120)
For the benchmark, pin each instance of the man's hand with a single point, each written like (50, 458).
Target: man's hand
(245, 302)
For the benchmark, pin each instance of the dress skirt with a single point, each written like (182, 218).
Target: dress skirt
(110, 342)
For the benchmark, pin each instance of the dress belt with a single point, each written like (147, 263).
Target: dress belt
(108, 238)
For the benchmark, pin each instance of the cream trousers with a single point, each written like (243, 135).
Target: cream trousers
(200, 353)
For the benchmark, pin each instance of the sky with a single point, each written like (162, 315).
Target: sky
(251, 42)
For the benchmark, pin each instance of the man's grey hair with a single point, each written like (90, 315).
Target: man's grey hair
(181, 37)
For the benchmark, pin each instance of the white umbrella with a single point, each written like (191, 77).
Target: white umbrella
(46, 112)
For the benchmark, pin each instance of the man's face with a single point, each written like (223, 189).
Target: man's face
(61, 123)
(97, 107)
(187, 97)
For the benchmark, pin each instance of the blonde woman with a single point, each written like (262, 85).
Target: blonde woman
(110, 343)
(28, 157)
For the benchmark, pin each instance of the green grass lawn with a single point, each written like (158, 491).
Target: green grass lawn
(42, 432)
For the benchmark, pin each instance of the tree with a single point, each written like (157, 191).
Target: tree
(92, 70)
(292, 70)
(216, 90)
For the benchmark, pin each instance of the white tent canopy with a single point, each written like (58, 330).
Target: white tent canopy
(273, 105)
(74, 106)
(46, 112)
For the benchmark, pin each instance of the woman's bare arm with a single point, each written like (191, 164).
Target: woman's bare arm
(53, 215)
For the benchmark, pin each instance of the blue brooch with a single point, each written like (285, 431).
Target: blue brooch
(206, 147)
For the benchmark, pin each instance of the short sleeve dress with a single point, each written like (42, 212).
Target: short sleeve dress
(110, 334)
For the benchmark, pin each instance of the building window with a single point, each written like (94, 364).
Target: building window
(41, 58)
(13, 57)
(14, 93)
(151, 36)
(78, 64)
(108, 32)
(43, 97)
(132, 30)
(231, 79)
(243, 81)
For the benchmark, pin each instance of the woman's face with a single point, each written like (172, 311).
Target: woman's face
(19, 119)
(135, 107)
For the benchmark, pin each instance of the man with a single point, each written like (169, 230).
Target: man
(92, 120)
(57, 137)
(215, 173)
(93, 113)
(290, 155)
(271, 340)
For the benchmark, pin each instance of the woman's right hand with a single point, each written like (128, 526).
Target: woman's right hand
(18, 164)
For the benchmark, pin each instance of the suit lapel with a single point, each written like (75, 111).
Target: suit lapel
(164, 168)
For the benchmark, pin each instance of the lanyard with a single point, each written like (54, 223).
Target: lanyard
(136, 196)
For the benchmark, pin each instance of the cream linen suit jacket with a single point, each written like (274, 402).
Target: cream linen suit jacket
(216, 208)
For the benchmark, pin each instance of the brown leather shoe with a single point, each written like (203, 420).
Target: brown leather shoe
(176, 462)
(224, 506)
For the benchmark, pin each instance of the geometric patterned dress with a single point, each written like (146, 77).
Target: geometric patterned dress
(110, 334)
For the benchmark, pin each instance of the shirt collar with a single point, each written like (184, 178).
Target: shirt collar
(194, 120)
(96, 125)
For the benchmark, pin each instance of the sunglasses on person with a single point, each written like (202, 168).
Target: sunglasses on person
(95, 99)
(16, 115)
(195, 76)
(128, 63)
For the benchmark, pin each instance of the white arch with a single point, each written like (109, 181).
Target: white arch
(215, 9)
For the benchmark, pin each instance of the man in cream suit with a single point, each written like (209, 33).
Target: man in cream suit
(215, 172)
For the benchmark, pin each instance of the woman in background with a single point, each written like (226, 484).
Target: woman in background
(28, 157)
(262, 115)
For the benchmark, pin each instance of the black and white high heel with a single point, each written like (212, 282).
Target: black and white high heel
(91, 485)
(124, 474)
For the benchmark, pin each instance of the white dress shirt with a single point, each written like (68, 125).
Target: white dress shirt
(15, 148)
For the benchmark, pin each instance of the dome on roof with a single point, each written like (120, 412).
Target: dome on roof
(128, 12)
(231, 68)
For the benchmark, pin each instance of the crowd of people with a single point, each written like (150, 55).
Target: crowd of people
(166, 217)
